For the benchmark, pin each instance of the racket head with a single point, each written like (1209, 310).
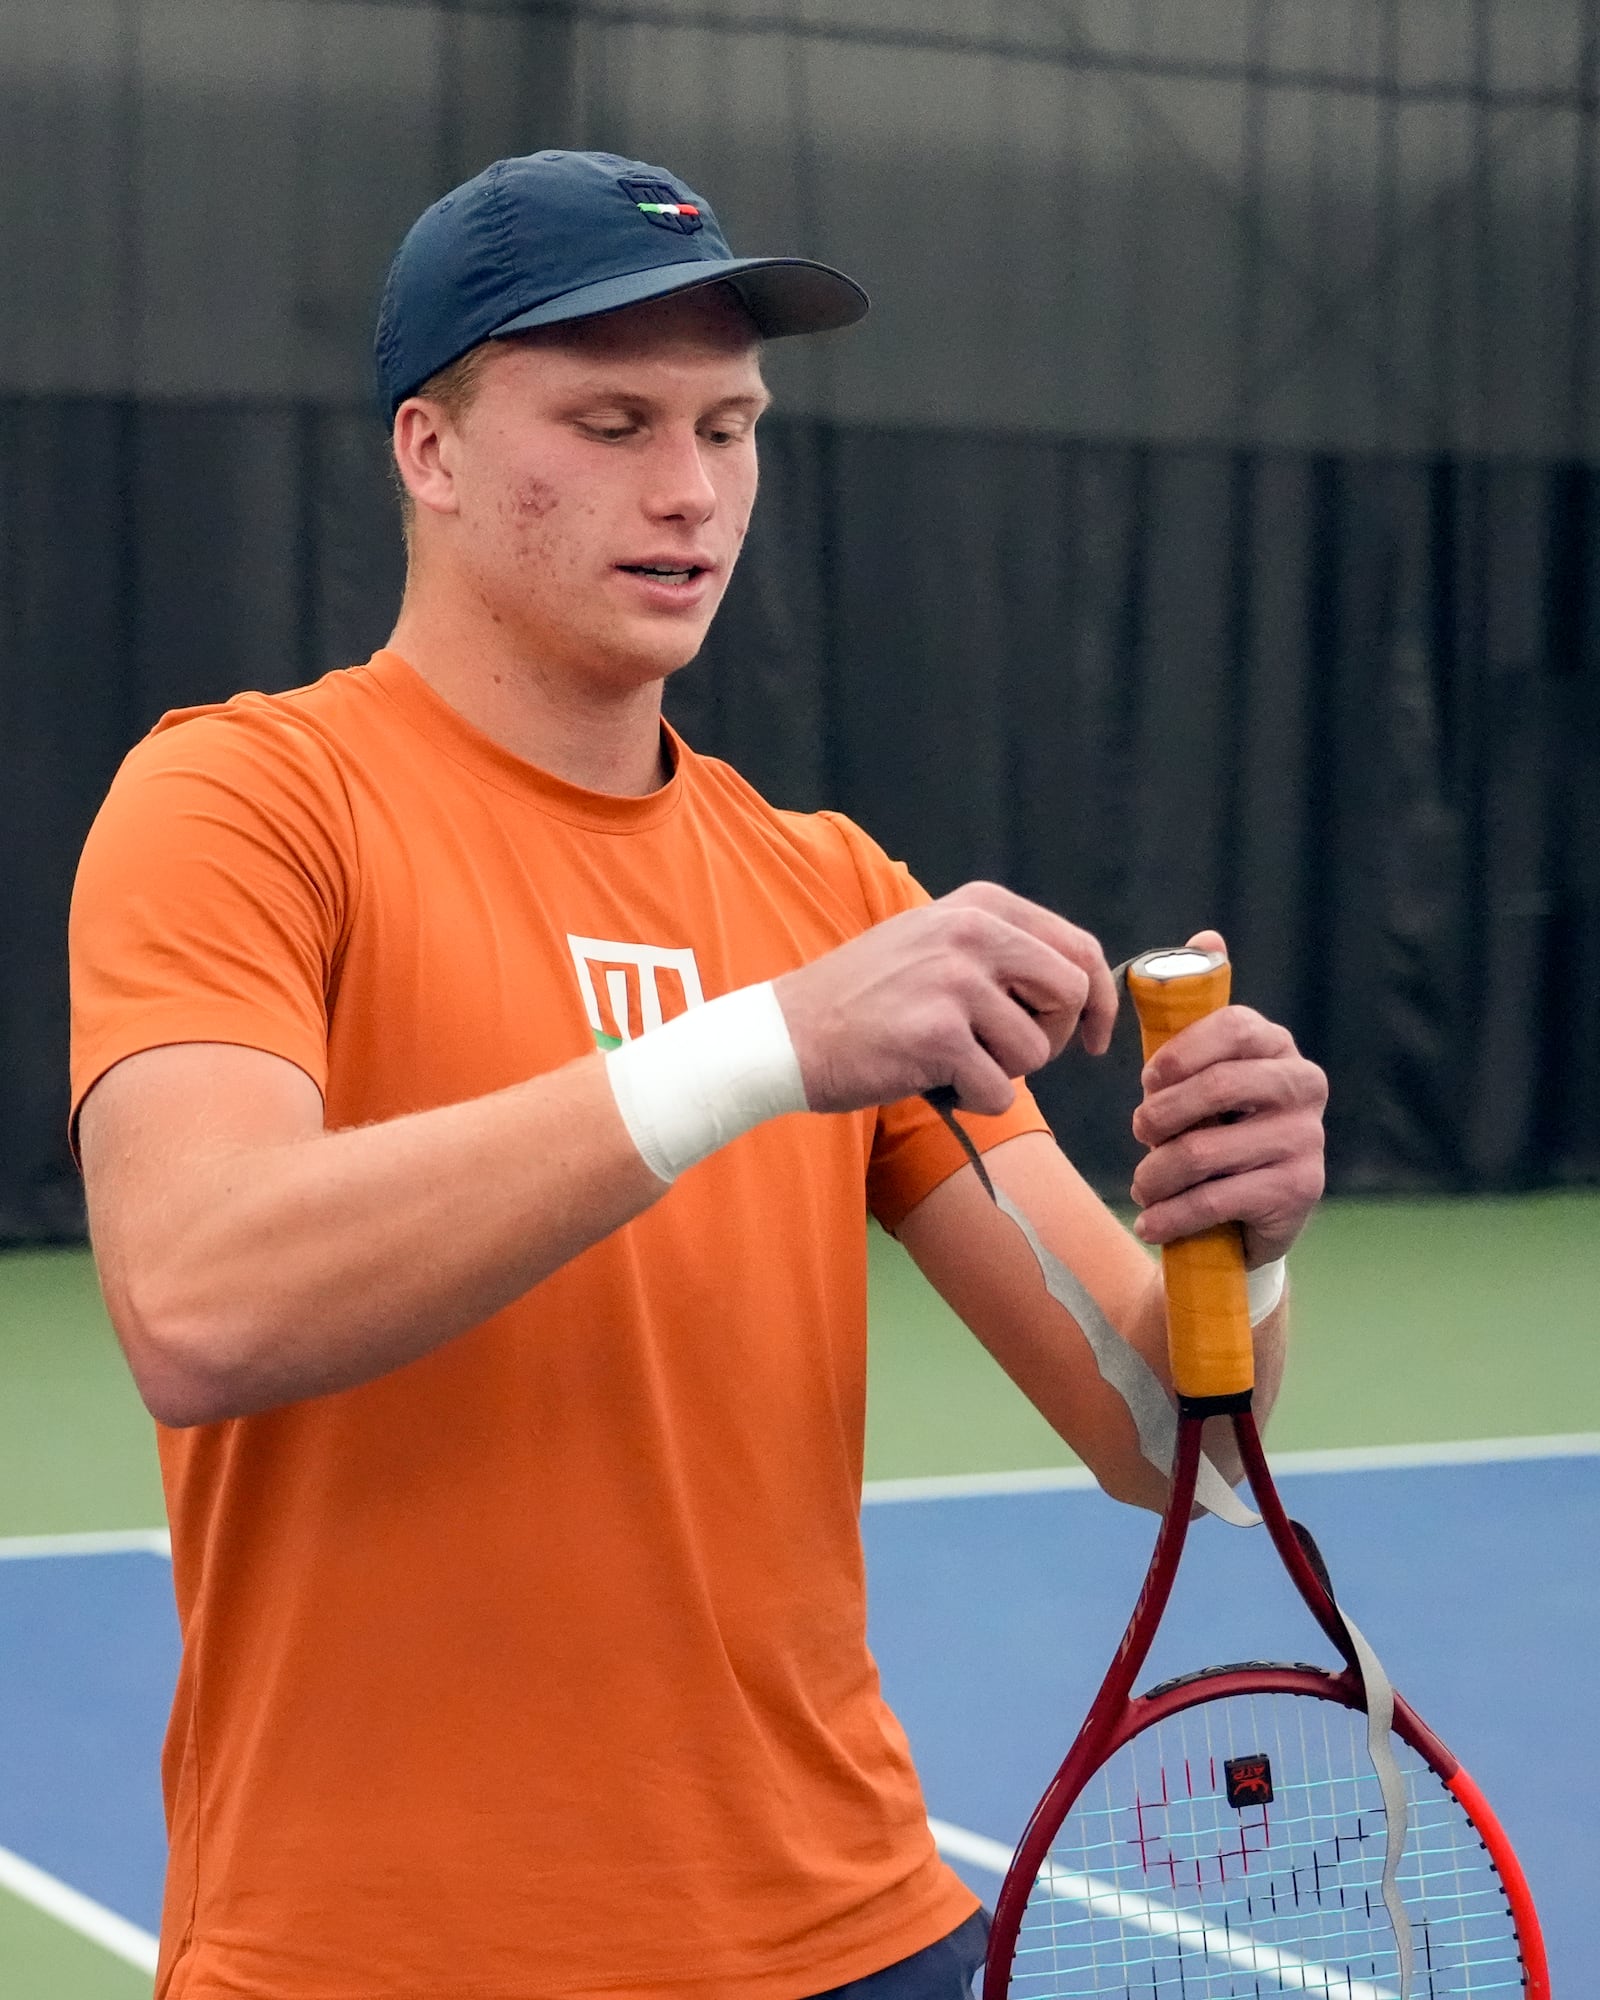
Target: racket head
(1145, 1881)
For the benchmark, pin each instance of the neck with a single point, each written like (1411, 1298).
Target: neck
(604, 739)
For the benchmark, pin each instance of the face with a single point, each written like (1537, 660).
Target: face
(594, 495)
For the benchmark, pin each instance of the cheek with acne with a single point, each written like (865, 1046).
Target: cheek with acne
(532, 500)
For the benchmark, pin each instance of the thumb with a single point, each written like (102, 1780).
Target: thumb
(1208, 941)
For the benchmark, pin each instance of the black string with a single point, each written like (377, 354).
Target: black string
(944, 1100)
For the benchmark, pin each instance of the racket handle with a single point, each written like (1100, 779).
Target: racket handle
(1208, 1307)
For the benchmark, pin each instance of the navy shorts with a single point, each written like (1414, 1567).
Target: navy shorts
(943, 1971)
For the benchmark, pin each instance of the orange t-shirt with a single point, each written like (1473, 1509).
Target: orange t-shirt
(537, 1667)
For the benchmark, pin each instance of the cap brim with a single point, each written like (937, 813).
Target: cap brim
(782, 294)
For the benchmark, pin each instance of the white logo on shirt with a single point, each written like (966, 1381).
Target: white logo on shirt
(628, 989)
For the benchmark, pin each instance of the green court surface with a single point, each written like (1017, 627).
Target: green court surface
(1414, 1321)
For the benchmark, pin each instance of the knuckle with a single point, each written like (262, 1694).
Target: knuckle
(1309, 1179)
(967, 986)
(966, 928)
(947, 1031)
(1214, 1090)
(1214, 1201)
(1186, 1157)
(1306, 1138)
(1073, 979)
(977, 898)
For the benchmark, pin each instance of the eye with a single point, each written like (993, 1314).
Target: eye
(608, 430)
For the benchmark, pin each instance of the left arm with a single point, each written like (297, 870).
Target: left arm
(1260, 1167)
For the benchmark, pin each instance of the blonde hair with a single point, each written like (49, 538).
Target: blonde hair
(453, 388)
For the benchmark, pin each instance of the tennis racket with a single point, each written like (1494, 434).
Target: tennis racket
(1253, 1830)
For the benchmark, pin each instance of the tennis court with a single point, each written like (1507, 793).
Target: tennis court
(999, 1583)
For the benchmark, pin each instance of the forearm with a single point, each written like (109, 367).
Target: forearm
(984, 1269)
(292, 1269)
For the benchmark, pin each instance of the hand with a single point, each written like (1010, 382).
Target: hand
(971, 990)
(1232, 1115)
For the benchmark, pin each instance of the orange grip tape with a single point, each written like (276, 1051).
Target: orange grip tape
(1208, 1308)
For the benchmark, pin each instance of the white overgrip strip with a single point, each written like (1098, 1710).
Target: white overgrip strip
(78, 1912)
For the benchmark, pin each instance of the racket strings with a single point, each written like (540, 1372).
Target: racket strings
(1156, 1888)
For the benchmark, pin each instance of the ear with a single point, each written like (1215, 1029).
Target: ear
(424, 454)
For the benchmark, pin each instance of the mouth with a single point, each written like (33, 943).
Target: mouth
(671, 586)
(667, 572)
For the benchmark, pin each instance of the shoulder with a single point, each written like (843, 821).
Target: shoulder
(824, 844)
(258, 759)
(885, 886)
(302, 730)
(260, 781)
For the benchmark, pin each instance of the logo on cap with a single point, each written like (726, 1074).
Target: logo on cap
(658, 202)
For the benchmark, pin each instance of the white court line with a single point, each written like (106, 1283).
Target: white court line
(107, 1542)
(1343, 1458)
(981, 1485)
(77, 1911)
(139, 1947)
(1140, 1912)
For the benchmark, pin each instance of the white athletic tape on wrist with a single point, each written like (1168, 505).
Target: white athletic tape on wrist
(1264, 1288)
(689, 1087)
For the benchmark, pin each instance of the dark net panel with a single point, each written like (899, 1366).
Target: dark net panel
(1200, 530)
(1342, 707)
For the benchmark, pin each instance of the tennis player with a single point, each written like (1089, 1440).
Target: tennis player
(481, 1096)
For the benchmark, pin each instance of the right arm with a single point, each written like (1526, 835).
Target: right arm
(250, 1258)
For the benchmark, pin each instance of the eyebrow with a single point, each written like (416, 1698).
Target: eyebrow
(588, 394)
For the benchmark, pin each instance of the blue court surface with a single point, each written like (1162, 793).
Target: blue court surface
(994, 1613)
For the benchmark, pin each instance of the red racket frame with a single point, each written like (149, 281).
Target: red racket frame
(1115, 1718)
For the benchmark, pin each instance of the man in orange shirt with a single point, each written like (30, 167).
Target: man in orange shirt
(480, 1096)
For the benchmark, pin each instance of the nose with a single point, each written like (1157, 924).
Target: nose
(680, 488)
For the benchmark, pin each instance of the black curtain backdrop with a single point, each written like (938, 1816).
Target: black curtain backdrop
(1345, 707)
(1200, 529)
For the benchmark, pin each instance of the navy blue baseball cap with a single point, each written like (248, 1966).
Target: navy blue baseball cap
(566, 236)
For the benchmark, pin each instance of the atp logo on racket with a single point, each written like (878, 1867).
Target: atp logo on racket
(1249, 1781)
(628, 989)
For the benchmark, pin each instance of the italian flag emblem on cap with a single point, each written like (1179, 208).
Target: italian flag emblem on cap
(657, 201)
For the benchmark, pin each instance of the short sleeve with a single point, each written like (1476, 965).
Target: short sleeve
(212, 896)
(912, 1152)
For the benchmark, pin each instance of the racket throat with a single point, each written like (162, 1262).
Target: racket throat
(1202, 1407)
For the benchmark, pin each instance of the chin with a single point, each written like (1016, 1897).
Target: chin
(640, 658)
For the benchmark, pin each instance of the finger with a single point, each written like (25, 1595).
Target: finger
(1208, 941)
(1241, 1089)
(1231, 1034)
(980, 1084)
(1013, 1035)
(1270, 1203)
(1216, 1152)
(1002, 960)
(1050, 994)
(1098, 1014)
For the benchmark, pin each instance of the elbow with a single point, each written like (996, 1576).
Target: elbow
(1133, 1480)
(186, 1361)
(181, 1400)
